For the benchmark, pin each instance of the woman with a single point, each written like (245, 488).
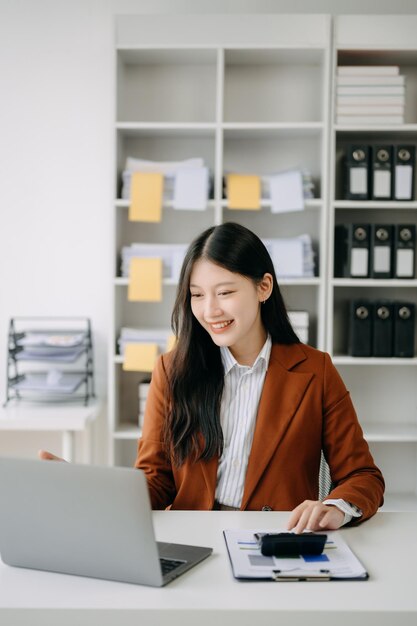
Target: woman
(239, 411)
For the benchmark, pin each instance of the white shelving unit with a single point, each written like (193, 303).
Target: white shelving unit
(384, 390)
(253, 99)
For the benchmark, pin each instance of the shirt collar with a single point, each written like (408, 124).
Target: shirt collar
(229, 360)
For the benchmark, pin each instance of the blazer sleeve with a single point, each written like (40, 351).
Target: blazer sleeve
(356, 477)
(152, 458)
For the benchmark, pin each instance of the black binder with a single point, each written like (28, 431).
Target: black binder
(405, 250)
(360, 328)
(357, 172)
(404, 329)
(383, 326)
(341, 233)
(382, 239)
(404, 170)
(358, 253)
(382, 172)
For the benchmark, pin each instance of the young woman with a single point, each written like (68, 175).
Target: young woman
(239, 412)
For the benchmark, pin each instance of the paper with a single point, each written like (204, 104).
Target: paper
(286, 191)
(358, 180)
(145, 280)
(191, 189)
(244, 192)
(146, 197)
(403, 182)
(171, 341)
(336, 561)
(288, 257)
(140, 357)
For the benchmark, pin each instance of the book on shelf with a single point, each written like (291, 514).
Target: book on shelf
(383, 81)
(374, 109)
(368, 100)
(370, 119)
(370, 90)
(368, 70)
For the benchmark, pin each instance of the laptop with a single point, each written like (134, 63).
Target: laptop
(85, 520)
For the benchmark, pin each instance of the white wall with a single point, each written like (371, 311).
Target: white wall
(56, 141)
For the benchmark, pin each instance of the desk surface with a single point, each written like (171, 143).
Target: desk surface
(208, 594)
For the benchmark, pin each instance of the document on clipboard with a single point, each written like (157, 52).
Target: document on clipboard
(337, 561)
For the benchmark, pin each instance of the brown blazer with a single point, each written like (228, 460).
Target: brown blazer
(304, 408)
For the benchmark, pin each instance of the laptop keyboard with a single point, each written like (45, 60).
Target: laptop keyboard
(168, 565)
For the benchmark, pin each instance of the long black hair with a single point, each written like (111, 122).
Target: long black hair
(196, 377)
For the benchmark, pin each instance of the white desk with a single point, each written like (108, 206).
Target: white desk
(209, 595)
(65, 418)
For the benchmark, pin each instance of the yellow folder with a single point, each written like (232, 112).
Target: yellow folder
(145, 280)
(244, 192)
(146, 197)
(140, 357)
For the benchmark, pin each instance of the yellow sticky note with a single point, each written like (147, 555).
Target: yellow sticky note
(171, 341)
(146, 197)
(140, 357)
(145, 280)
(244, 192)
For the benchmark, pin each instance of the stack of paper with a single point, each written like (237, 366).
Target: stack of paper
(172, 256)
(41, 346)
(299, 322)
(293, 257)
(186, 183)
(370, 95)
(158, 336)
(143, 390)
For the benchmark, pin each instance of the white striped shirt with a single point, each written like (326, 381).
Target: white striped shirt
(239, 407)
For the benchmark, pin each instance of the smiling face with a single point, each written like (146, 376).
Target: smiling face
(228, 305)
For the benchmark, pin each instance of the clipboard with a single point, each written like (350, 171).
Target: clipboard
(337, 562)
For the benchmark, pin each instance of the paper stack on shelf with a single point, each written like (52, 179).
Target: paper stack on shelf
(62, 348)
(159, 336)
(293, 257)
(300, 322)
(370, 95)
(292, 177)
(174, 173)
(143, 389)
(52, 382)
(172, 256)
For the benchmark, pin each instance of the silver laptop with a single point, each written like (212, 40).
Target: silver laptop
(85, 520)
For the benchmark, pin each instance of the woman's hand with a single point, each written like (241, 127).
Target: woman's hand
(314, 515)
(48, 456)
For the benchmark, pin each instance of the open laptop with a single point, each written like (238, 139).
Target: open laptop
(85, 520)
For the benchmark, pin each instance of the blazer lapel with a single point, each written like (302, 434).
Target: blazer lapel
(282, 393)
(209, 469)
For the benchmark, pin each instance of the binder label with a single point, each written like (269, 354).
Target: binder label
(359, 262)
(403, 182)
(358, 180)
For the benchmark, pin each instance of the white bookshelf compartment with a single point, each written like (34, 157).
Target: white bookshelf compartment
(266, 152)
(274, 85)
(166, 85)
(373, 291)
(368, 137)
(125, 450)
(398, 463)
(405, 59)
(304, 297)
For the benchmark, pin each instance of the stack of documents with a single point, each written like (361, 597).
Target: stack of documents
(143, 390)
(370, 95)
(158, 336)
(337, 562)
(186, 183)
(52, 382)
(292, 257)
(172, 256)
(41, 346)
(299, 322)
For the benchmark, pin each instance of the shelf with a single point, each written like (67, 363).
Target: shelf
(356, 360)
(124, 282)
(267, 130)
(312, 203)
(373, 204)
(378, 129)
(163, 129)
(374, 282)
(124, 204)
(390, 433)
